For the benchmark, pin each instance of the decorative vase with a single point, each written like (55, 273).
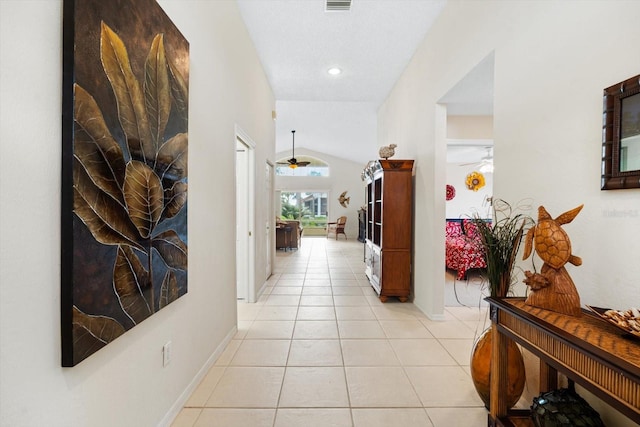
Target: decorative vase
(481, 369)
(500, 242)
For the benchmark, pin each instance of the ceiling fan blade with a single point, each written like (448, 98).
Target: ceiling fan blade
(291, 161)
(303, 164)
(484, 160)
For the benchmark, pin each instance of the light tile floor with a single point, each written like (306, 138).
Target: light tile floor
(320, 349)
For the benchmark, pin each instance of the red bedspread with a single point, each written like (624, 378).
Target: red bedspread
(463, 250)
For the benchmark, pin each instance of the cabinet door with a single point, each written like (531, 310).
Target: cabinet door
(373, 265)
(396, 272)
(376, 268)
(368, 260)
(369, 213)
(397, 213)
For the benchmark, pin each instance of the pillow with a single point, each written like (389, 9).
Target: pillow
(453, 228)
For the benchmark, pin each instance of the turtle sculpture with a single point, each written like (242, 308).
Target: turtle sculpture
(552, 288)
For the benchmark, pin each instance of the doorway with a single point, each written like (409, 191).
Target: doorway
(245, 209)
(466, 124)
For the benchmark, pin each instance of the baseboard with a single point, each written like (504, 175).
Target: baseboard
(262, 288)
(184, 396)
(431, 316)
(437, 317)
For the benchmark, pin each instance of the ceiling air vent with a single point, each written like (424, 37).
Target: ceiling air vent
(338, 5)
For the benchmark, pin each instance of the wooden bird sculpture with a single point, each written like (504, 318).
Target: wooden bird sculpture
(552, 288)
(387, 151)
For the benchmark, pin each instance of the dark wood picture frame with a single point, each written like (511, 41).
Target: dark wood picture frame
(124, 245)
(613, 176)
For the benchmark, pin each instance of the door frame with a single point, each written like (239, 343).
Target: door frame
(250, 256)
(270, 222)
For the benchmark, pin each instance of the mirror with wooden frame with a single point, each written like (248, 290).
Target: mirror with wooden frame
(621, 136)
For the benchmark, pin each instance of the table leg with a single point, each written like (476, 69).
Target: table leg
(498, 405)
(548, 377)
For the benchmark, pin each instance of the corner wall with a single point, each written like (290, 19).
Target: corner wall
(123, 384)
(552, 61)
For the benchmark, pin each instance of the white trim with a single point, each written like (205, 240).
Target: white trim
(270, 231)
(303, 190)
(437, 317)
(436, 297)
(470, 142)
(177, 406)
(263, 287)
(246, 139)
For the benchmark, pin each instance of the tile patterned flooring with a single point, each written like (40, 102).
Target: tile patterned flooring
(320, 349)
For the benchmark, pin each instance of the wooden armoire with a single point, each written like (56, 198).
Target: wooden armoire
(389, 227)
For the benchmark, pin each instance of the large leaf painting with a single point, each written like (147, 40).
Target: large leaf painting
(125, 170)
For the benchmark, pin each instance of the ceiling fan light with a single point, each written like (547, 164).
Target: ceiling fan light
(293, 166)
(334, 71)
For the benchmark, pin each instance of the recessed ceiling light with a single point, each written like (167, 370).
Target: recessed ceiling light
(334, 71)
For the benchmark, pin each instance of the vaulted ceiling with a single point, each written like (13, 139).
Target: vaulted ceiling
(298, 41)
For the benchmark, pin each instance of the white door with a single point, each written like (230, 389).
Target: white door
(270, 218)
(242, 212)
(245, 216)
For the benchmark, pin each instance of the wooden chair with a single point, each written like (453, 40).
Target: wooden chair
(337, 227)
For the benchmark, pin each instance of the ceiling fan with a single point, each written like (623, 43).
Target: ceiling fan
(485, 164)
(292, 162)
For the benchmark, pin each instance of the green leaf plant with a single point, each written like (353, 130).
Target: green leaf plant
(123, 193)
(501, 241)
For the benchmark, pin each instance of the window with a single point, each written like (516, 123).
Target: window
(309, 207)
(316, 167)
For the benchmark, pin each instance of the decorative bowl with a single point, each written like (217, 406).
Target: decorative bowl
(624, 327)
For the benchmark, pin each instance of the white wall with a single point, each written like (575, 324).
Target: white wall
(344, 175)
(547, 132)
(123, 384)
(343, 129)
(470, 127)
(467, 203)
(552, 61)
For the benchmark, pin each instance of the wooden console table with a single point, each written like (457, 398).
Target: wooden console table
(586, 349)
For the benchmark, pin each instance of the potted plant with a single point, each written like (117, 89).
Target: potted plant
(500, 242)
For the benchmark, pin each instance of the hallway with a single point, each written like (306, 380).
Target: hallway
(320, 349)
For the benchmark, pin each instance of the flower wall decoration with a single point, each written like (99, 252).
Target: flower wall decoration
(451, 192)
(475, 181)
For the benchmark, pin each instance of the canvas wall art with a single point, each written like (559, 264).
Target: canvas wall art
(124, 170)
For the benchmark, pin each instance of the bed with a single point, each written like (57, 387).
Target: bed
(463, 247)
